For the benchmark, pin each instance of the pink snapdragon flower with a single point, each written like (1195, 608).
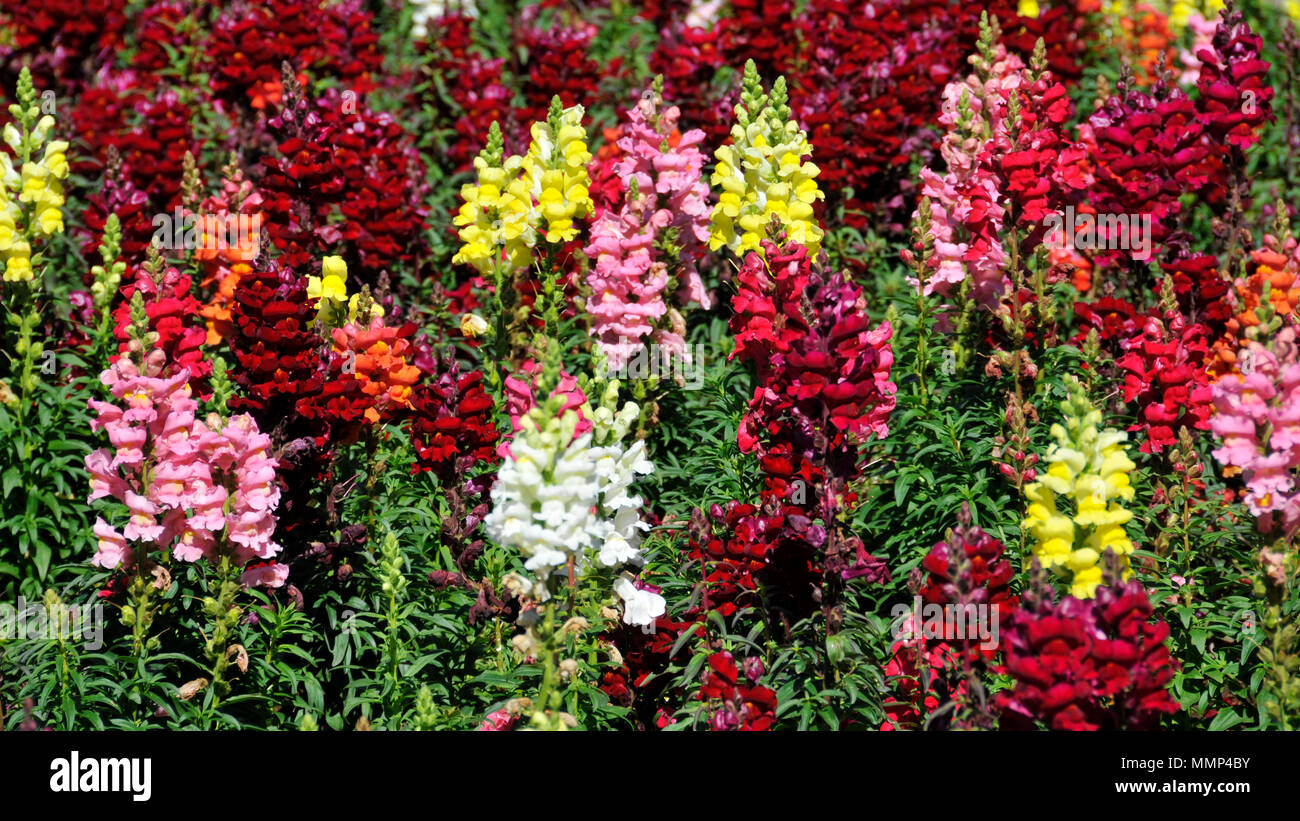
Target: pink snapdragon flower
(189, 487)
(966, 212)
(630, 274)
(520, 400)
(1257, 419)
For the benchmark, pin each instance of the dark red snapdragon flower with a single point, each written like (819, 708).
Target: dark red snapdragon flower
(1087, 664)
(160, 30)
(823, 372)
(451, 423)
(343, 180)
(249, 43)
(689, 59)
(297, 389)
(558, 65)
(58, 40)
(1235, 98)
(1112, 318)
(736, 702)
(968, 570)
(119, 196)
(468, 93)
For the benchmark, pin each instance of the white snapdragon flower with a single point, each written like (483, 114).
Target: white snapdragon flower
(426, 10)
(559, 498)
(544, 499)
(640, 607)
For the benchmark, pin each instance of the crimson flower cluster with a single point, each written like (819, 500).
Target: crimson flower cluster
(1087, 664)
(139, 138)
(249, 43)
(968, 570)
(173, 315)
(559, 63)
(451, 424)
(294, 386)
(823, 372)
(120, 196)
(866, 86)
(1149, 149)
(471, 93)
(823, 385)
(1165, 374)
(343, 180)
(158, 27)
(737, 703)
(58, 39)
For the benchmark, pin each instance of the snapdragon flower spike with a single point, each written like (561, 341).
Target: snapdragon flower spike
(521, 200)
(968, 570)
(172, 311)
(967, 206)
(294, 385)
(1166, 377)
(120, 196)
(1150, 149)
(472, 83)
(555, 169)
(763, 175)
(379, 355)
(199, 490)
(31, 196)
(451, 423)
(1274, 282)
(737, 703)
(1101, 663)
(1257, 419)
(823, 372)
(658, 234)
(1235, 97)
(1088, 468)
(345, 180)
(236, 208)
(562, 499)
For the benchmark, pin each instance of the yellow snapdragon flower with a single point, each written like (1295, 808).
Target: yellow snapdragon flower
(1090, 469)
(496, 215)
(517, 197)
(556, 167)
(31, 196)
(763, 174)
(330, 290)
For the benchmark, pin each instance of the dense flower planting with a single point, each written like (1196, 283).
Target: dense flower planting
(896, 365)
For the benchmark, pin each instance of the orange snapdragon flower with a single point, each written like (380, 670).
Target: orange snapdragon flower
(380, 361)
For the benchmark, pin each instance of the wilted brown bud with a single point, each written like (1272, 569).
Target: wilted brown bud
(241, 656)
(190, 689)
